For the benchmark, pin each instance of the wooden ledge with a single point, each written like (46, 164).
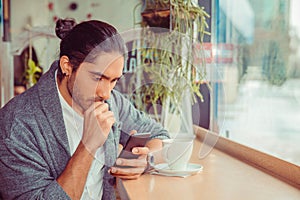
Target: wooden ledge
(283, 170)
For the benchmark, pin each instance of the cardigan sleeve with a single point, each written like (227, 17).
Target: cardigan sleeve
(133, 119)
(24, 173)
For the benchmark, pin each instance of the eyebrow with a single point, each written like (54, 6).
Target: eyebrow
(104, 76)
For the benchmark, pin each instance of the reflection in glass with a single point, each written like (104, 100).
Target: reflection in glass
(257, 95)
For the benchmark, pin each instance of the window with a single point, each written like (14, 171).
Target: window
(255, 74)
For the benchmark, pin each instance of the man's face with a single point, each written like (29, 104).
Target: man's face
(94, 81)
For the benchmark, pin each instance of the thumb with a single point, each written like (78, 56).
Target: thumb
(132, 132)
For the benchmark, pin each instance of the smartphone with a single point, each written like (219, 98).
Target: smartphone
(135, 140)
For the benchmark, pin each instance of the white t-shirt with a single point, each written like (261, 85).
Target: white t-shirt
(93, 188)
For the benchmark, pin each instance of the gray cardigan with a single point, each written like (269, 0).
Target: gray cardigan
(34, 146)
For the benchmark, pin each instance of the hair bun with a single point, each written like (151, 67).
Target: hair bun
(64, 26)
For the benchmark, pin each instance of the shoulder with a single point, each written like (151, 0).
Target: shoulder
(121, 101)
(116, 94)
(30, 107)
(118, 98)
(19, 109)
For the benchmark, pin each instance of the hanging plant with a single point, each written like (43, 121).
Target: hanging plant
(167, 54)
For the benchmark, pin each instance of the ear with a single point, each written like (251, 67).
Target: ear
(65, 65)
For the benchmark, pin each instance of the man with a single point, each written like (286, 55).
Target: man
(59, 139)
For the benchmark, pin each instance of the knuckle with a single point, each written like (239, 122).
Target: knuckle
(108, 121)
(105, 106)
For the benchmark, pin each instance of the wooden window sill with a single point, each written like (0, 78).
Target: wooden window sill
(226, 175)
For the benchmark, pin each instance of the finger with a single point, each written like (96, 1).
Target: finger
(105, 115)
(116, 171)
(107, 118)
(93, 106)
(140, 162)
(96, 108)
(127, 177)
(132, 132)
(140, 150)
(101, 108)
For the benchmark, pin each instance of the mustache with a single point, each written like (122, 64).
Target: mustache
(96, 99)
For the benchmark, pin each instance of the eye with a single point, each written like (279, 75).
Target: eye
(98, 78)
(115, 80)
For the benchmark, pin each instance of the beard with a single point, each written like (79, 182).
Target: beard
(79, 102)
(82, 97)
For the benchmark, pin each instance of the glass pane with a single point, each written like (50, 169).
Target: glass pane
(256, 86)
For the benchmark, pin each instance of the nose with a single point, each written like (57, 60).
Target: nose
(103, 90)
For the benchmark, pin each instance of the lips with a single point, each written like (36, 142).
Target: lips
(99, 100)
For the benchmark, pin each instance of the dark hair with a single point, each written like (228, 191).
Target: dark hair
(85, 41)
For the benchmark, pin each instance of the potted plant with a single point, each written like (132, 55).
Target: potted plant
(168, 76)
(32, 73)
(156, 13)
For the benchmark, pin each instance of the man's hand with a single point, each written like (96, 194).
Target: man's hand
(98, 120)
(136, 167)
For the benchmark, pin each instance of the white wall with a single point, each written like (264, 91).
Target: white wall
(31, 13)
(36, 13)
